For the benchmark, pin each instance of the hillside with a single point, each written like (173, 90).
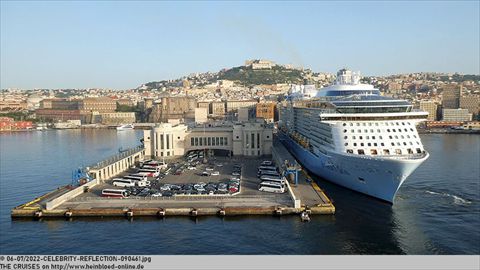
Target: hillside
(248, 76)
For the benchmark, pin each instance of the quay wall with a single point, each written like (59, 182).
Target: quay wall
(70, 195)
(117, 164)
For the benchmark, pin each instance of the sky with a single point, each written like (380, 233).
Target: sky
(121, 45)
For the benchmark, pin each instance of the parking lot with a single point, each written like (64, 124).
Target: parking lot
(182, 183)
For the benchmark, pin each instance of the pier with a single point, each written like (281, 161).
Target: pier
(302, 195)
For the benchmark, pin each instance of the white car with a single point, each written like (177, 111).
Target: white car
(216, 173)
(192, 168)
(219, 165)
(209, 168)
(236, 174)
(157, 195)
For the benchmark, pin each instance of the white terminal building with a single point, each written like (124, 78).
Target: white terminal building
(238, 139)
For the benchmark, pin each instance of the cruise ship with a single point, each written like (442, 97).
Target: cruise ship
(349, 134)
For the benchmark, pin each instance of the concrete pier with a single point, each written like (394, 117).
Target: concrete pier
(86, 200)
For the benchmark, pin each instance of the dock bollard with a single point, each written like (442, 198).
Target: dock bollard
(221, 212)
(194, 212)
(38, 214)
(129, 213)
(278, 211)
(68, 214)
(161, 213)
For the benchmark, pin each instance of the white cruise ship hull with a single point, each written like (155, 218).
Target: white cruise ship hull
(377, 177)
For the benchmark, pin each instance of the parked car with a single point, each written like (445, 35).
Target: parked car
(209, 168)
(205, 174)
(216, 173)
(235, 173)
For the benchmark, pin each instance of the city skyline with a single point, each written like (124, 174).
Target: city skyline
(122, 45)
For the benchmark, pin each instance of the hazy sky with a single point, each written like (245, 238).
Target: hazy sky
(124, 44)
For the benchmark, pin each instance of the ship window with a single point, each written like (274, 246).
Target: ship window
(398, 124)
(351, 124)
(344, 131)
(353, 137)
(371, 130)
(358, 124)
(380, 137)
(405, 129)
(409, 150)
(411, 129)
(359, 131)
(354, 144)
(366, 130)
(411, 143)
(382, 144)
(373, 137)
(401, 136)
(403, 123)
(344, 124)
(398, 151)
(368, 137)
(418, 143)
(394, 130)
(369, 124)
(376, 124)
(361, 144)
(378, 130)
(361, 137)
(408, 123)
(364, 124)
(346, 137)
(408, 136)
(404, 143)
(369, 144)
(419, 151)
(350, 151)
(393, 144)
(398, 143)
(390, 137)
(388, 130)
(374, 144)
(373, 152)
(361, 152)
(386, 152)
(353, 131)
(346, 144)
(396, 137)
(414, 136)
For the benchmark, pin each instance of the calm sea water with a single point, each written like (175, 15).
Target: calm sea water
(437, 211)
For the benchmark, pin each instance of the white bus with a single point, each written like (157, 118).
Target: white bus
(270, 187)
(155, 164)
(116, 193)
(137, 177)
(119, 182)
(149, 172)
(273, 179)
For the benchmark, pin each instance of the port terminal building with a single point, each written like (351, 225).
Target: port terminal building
(166, 140)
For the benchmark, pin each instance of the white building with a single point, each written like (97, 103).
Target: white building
(240, 139)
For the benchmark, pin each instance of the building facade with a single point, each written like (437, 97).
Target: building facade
(431, 107)
(117, 118)
(234, 105)
(471, 103)
(241, 139)
(266, 111)
(456, 115)
(451, 96)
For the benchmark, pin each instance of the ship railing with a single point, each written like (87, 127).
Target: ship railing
(399, 157)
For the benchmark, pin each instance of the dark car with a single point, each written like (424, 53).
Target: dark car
(167, 194)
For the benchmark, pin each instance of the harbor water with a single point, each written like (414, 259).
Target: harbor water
(437, 210)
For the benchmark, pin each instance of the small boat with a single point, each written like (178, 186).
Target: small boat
(125, 127)
(305, 217)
